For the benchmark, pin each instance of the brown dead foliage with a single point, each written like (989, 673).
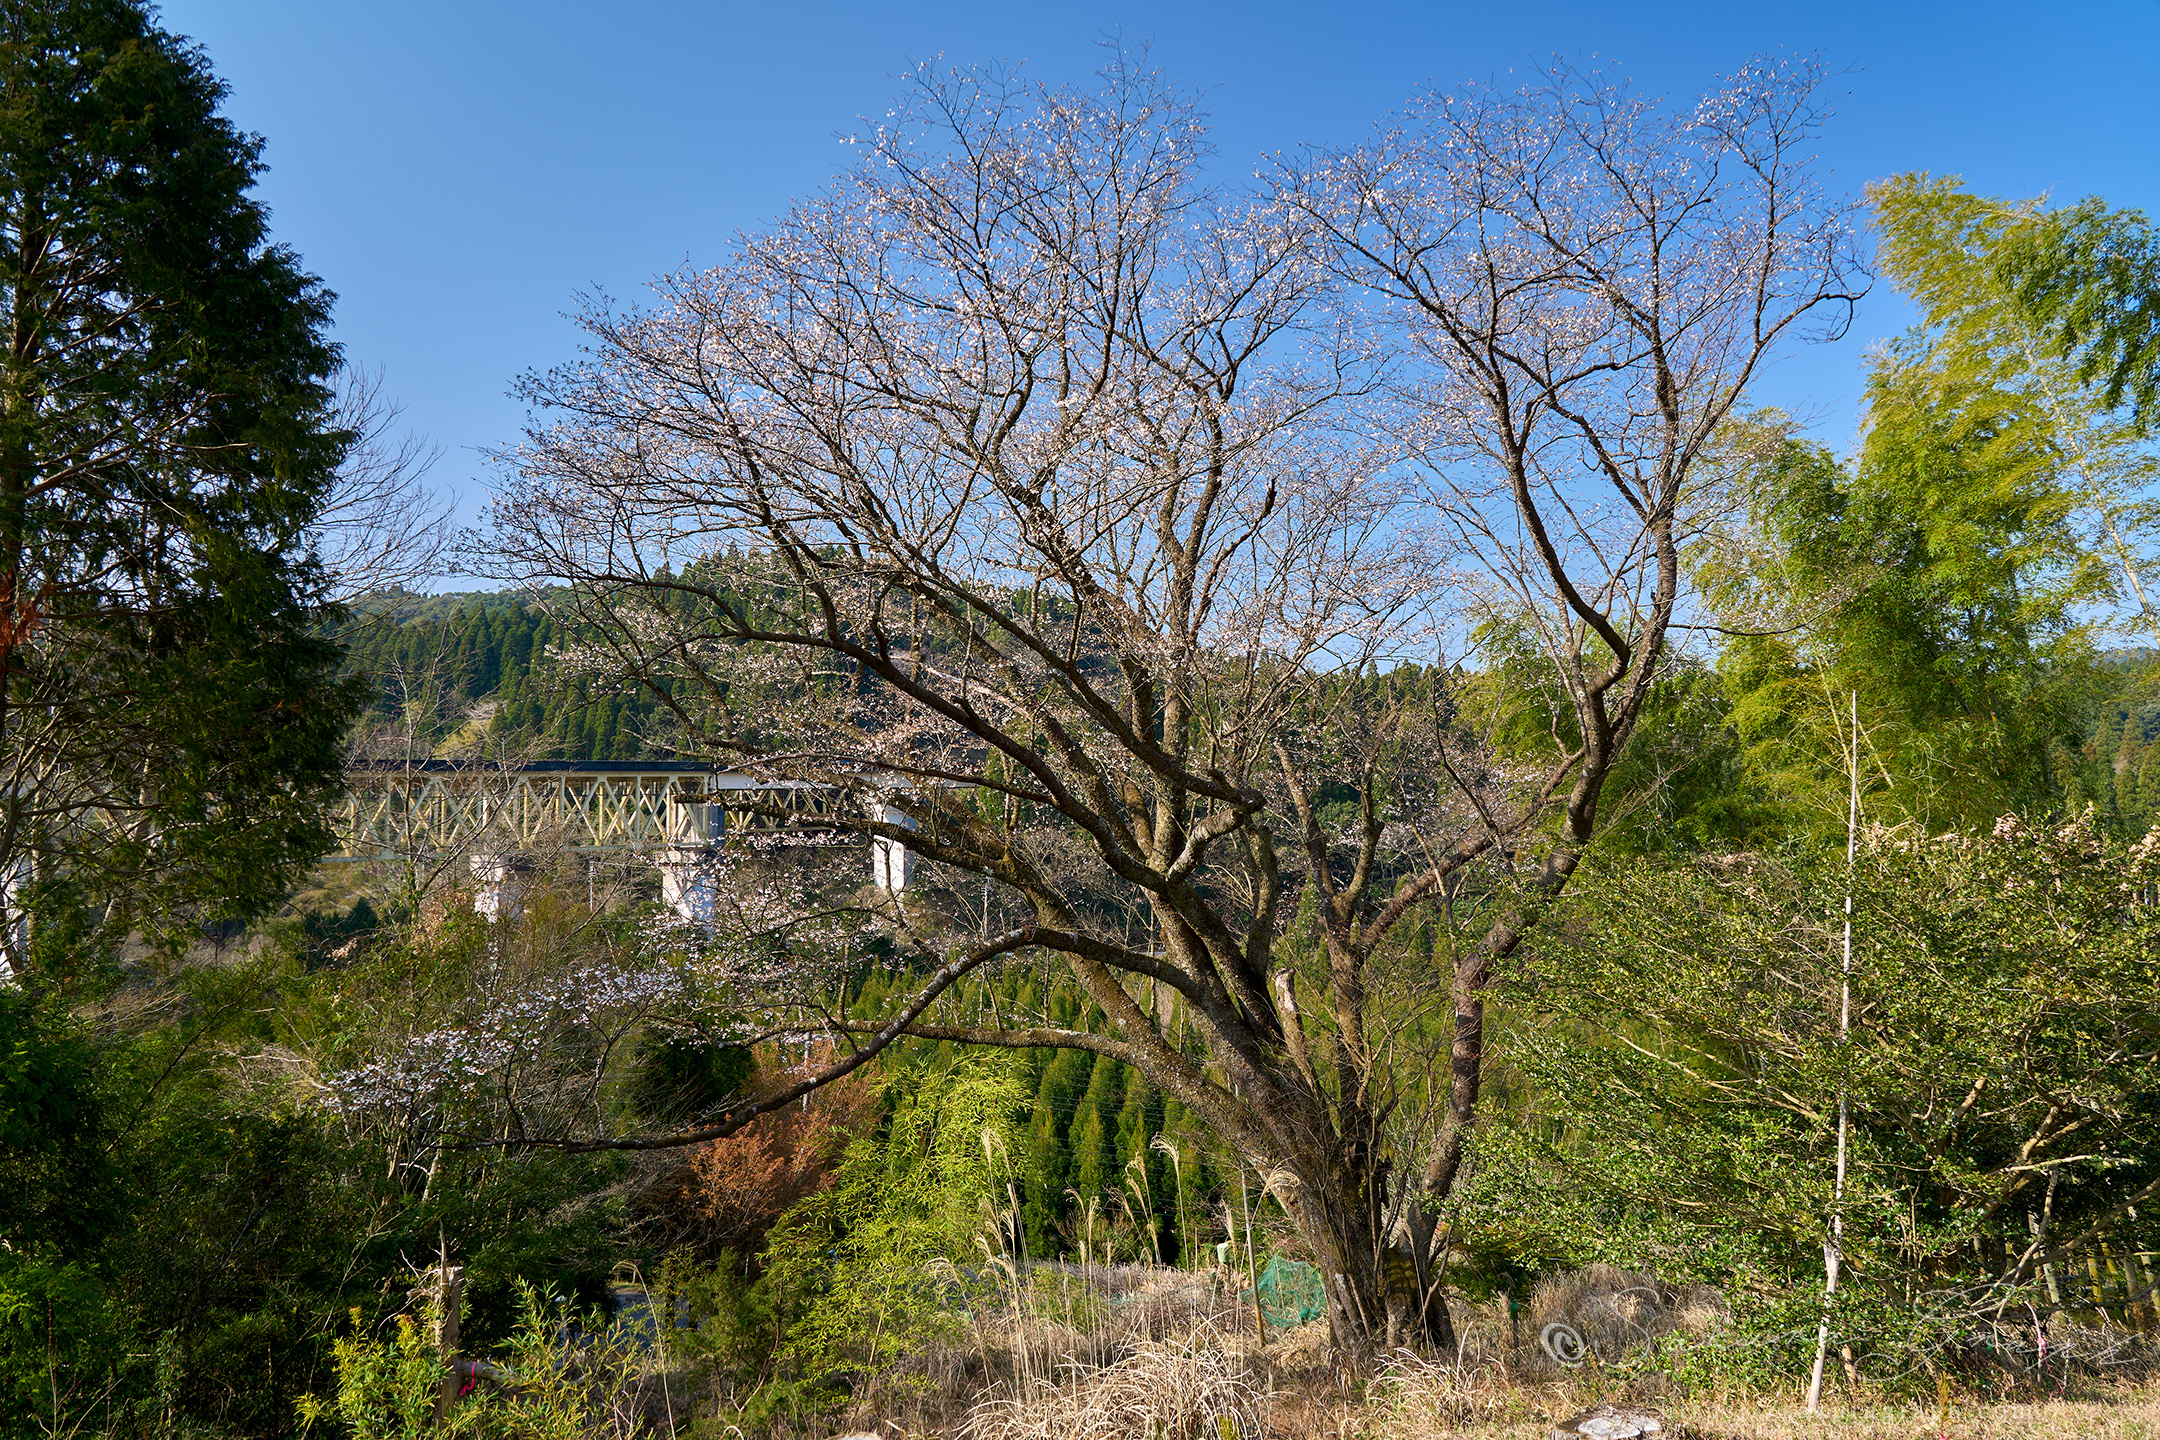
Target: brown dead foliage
(725, 1194)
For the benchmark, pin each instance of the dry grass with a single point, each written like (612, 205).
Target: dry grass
(1079, 1351)
(2133, 1415)
(1141, 1352)
(1178, 1389)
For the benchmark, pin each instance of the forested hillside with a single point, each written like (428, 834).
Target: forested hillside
(2120, 748)
(471, 674)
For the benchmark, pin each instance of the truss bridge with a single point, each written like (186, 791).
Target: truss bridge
(677, 814)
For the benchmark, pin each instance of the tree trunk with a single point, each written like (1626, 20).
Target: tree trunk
(1375, 1302)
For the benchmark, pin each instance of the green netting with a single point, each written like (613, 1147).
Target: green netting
(1291, 1293)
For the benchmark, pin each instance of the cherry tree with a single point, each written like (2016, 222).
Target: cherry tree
(1076, 521)
(1585, 281)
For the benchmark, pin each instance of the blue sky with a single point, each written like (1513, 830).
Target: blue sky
(458, 172)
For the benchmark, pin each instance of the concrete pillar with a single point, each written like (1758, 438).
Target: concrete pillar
(694, 822)
(499, 884)
(891, 862)
(690, 881)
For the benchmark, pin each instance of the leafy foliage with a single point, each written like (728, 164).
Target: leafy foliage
(2089, 278)
(855, 1260)
(1940, 582)
(1682, 1036)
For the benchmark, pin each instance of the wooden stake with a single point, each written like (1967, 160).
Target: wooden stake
(2137, 1264)
(449, 1295)
(1252, 1266)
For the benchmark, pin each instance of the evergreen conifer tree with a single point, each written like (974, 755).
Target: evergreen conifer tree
(2140, 816)
(1092, 1140)
(1048, 1160)
(171, 720)
(1138, 1122)
(1192, 1195)
(2123, 775)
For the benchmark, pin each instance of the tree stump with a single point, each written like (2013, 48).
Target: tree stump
(1611, 1422)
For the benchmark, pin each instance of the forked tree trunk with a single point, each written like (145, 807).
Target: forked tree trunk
(1375, 1302)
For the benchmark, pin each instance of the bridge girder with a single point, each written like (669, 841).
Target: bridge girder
(438, 807)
